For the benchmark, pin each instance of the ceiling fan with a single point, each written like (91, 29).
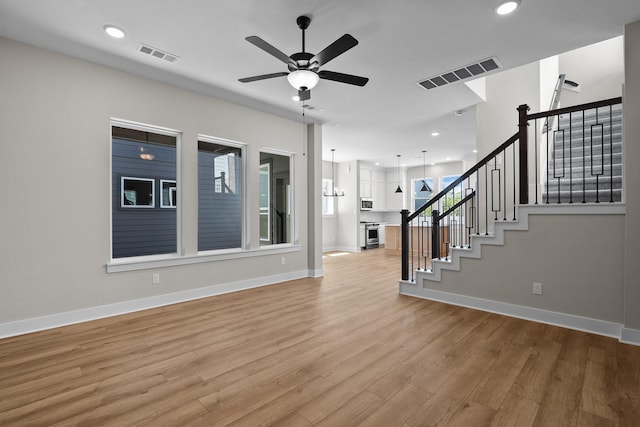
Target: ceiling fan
(304, 67)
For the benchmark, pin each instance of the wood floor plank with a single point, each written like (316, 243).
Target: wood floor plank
(344, 349)
(515, 411)
(599, 395)
(398, 409)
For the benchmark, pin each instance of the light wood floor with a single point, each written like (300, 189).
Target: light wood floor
(344, 350)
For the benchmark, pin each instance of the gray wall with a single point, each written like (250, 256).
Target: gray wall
(577, 258)
(632, 176)
(55, 131)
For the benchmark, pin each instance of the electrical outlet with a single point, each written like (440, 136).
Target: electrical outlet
(155, 278)
(537, 288)
(282, 261)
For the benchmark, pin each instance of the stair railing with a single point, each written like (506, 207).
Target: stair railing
(581, 151)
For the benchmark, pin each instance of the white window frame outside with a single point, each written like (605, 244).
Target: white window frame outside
(172, 194)
(245, 220)
(143, 260)
(136, 206)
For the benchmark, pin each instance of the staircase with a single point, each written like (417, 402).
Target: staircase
(581, 166)
(586, 167)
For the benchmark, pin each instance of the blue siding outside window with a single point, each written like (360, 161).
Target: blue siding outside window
(149, 230)
(219, 196)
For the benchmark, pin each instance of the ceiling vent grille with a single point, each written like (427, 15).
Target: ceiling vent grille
(462, 73)
(160, 54)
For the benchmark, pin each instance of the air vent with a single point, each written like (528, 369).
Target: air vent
(462, 73)
(160, 54)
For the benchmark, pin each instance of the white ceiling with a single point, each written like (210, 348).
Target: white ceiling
(401, 43)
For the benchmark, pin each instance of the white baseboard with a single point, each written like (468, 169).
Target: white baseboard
(586, 324)
(316, 273)
(630, 336)
(36, 324)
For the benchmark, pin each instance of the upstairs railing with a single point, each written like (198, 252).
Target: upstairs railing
(579, 160)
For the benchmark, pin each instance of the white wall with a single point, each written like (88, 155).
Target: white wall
(598, 68)
(347, 206)
(330, 222)
(55, 167)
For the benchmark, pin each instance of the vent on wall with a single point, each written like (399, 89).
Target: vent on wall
(169, 57)
(462, 73)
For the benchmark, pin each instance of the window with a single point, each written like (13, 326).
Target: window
(168, 188)
(275, 204)
(327, 202)
(143, 159)
(454, 196)
(421, 197)
(137, 192)
(265, 202)
(220, 195)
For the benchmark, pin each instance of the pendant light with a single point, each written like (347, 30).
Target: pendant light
(335, 192)
(398, 190)
(425, 186)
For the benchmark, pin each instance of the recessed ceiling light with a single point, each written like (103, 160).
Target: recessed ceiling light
(433, 164)
(475, 151)
(435, 133)
(507, 7)
(377, 163)
(113, 31)
(296, 98)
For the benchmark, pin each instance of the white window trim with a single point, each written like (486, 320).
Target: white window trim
(172, 194)
(135, 178)
(114, 121)
(245, 204)
(295, 232)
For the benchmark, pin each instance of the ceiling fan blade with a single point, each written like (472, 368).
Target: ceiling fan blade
(336, 48)
(262, 77)
(343, 78)
(304, 95)
(257, 41)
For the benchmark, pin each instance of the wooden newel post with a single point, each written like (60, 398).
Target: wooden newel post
(404, 231)
(523, 158)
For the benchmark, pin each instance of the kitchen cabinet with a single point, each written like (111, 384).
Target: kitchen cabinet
(381, 235)
(362, 239)
(365, 183)
(378, 191)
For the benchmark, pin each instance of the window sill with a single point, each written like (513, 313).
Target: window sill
(143, 263)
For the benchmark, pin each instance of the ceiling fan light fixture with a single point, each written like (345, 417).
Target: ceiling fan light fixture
(507, 7)
(303, 79)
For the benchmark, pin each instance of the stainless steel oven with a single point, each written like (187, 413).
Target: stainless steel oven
(372, 239)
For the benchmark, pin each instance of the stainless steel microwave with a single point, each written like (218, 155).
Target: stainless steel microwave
(366, 204)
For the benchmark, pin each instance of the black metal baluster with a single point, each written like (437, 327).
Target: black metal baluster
(411, 250)
(546, 184)
(504, 165)
(584, 166)
(477, 173)
(570, 159)
(495, 172)
(535, 148)
(597, 175)
(513, 152)
(611, 151)
(486, 201)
